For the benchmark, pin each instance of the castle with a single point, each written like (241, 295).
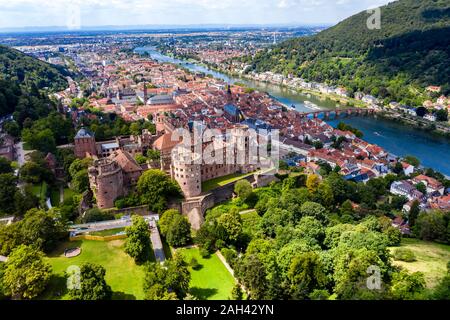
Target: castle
(115, 171)
(190, 173)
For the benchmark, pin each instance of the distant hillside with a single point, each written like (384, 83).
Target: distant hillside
(410, 51)
(21, 79)
(18, 67)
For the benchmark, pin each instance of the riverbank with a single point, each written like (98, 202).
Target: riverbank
(395, 137)
(327, 100)
(429, 127)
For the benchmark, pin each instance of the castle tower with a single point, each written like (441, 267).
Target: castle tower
(159, 121)
(187, 174)
(84, 144)
(106, 182)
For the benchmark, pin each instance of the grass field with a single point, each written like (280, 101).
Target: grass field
(212, 281)
(105, 233)
(68, 193)
(221, 181)
(431, 258)
(40, 190)
(54, 196)
(122, 274)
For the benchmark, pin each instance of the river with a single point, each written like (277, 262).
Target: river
(399, 139)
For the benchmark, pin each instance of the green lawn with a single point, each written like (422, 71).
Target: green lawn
(68, 193)
(54, 196)
(109, 232)
(40, 190)
(122, 274)
(431, 258)
(221, 181)
(212, 281)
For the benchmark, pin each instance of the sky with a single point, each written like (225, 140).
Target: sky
(73, 13)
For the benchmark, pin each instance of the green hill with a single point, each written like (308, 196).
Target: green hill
(23, 83)
(409, 52)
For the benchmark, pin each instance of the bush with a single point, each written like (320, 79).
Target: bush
(220, 244)
(204, 253)
(230, 256)
(404, 254)
(194, 264)
(95, 214)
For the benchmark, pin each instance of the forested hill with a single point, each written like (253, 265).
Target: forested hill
(18, 67)
(22, 79)
(410, 51)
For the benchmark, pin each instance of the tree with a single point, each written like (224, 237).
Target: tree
(237, 293)
(421, 187)
(413, 213)
(310, 230)
(41, 229)
(32, 172)
(92, 285)
(325, 195)
(442, 290)
(305, 275)
(179, 232)
(5, 166)
(406, 286)
(140, 159)
(80, 181)
(414, 161)
(312, 183)
(8, 190)
(26, 274)
(442, 115)
(167, 282)
(432, 226)
(78, 165)
(313, 209)
(243, 189)
(137, 244)
(38, 228)
(231, 224)
(95, 214)
(252, 273)
(135, 129)
(42, 140)
(155, 188)
(350, 273)
(3, 291)
(153, 155)
(166, 220)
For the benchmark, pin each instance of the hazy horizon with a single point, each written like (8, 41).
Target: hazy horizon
(31, 14)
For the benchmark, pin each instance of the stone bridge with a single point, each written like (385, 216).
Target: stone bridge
(338, 112)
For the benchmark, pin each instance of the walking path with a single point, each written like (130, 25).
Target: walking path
(247, 211)
(230, 270)
(225, 263)
(61, 194)
(3, 259)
